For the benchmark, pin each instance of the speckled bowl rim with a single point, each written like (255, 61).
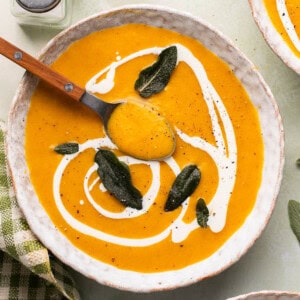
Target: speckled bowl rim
(268, 295)
(273, 37)
(272, 132)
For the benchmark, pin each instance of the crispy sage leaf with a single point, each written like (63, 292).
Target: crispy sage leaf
(116, 178)
(202, 213)
(67, 148)
(298, 162)
(154, 79)
(294, 216)
(183, 186)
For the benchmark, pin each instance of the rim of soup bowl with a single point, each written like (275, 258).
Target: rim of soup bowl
(268, 295)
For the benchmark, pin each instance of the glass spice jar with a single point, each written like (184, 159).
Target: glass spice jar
(50, 13)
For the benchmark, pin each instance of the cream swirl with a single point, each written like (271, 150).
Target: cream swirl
(224, 154)
(287, 22)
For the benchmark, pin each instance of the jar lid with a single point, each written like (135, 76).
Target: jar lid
(38, 6)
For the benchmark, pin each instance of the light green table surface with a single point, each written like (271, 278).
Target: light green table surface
(273, 263)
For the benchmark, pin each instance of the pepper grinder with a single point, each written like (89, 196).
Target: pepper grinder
(49, 13)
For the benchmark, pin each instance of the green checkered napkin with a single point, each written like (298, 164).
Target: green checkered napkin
(27, 271)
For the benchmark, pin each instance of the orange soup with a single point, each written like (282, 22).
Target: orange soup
(216, 128)
(285, 16)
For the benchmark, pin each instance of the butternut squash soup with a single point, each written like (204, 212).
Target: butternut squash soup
(285, 16)
(139, 215)
(152, 137)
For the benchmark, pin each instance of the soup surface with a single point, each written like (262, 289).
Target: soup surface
(216, 129)
(154, 138)
(285, 16)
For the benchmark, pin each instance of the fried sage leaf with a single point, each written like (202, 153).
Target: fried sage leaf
(67, 148)
(154, 79)
(116, 178)
(294, 216)
(183, 186)
(202, 213)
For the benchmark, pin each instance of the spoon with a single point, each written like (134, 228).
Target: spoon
(102, 108)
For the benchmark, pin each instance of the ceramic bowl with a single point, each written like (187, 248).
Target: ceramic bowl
(268, 295)
(273, 36)
(272, 132)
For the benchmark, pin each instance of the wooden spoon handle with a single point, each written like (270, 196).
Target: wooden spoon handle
(39, 69)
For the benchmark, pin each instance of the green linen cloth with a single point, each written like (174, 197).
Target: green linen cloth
(27, 269)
